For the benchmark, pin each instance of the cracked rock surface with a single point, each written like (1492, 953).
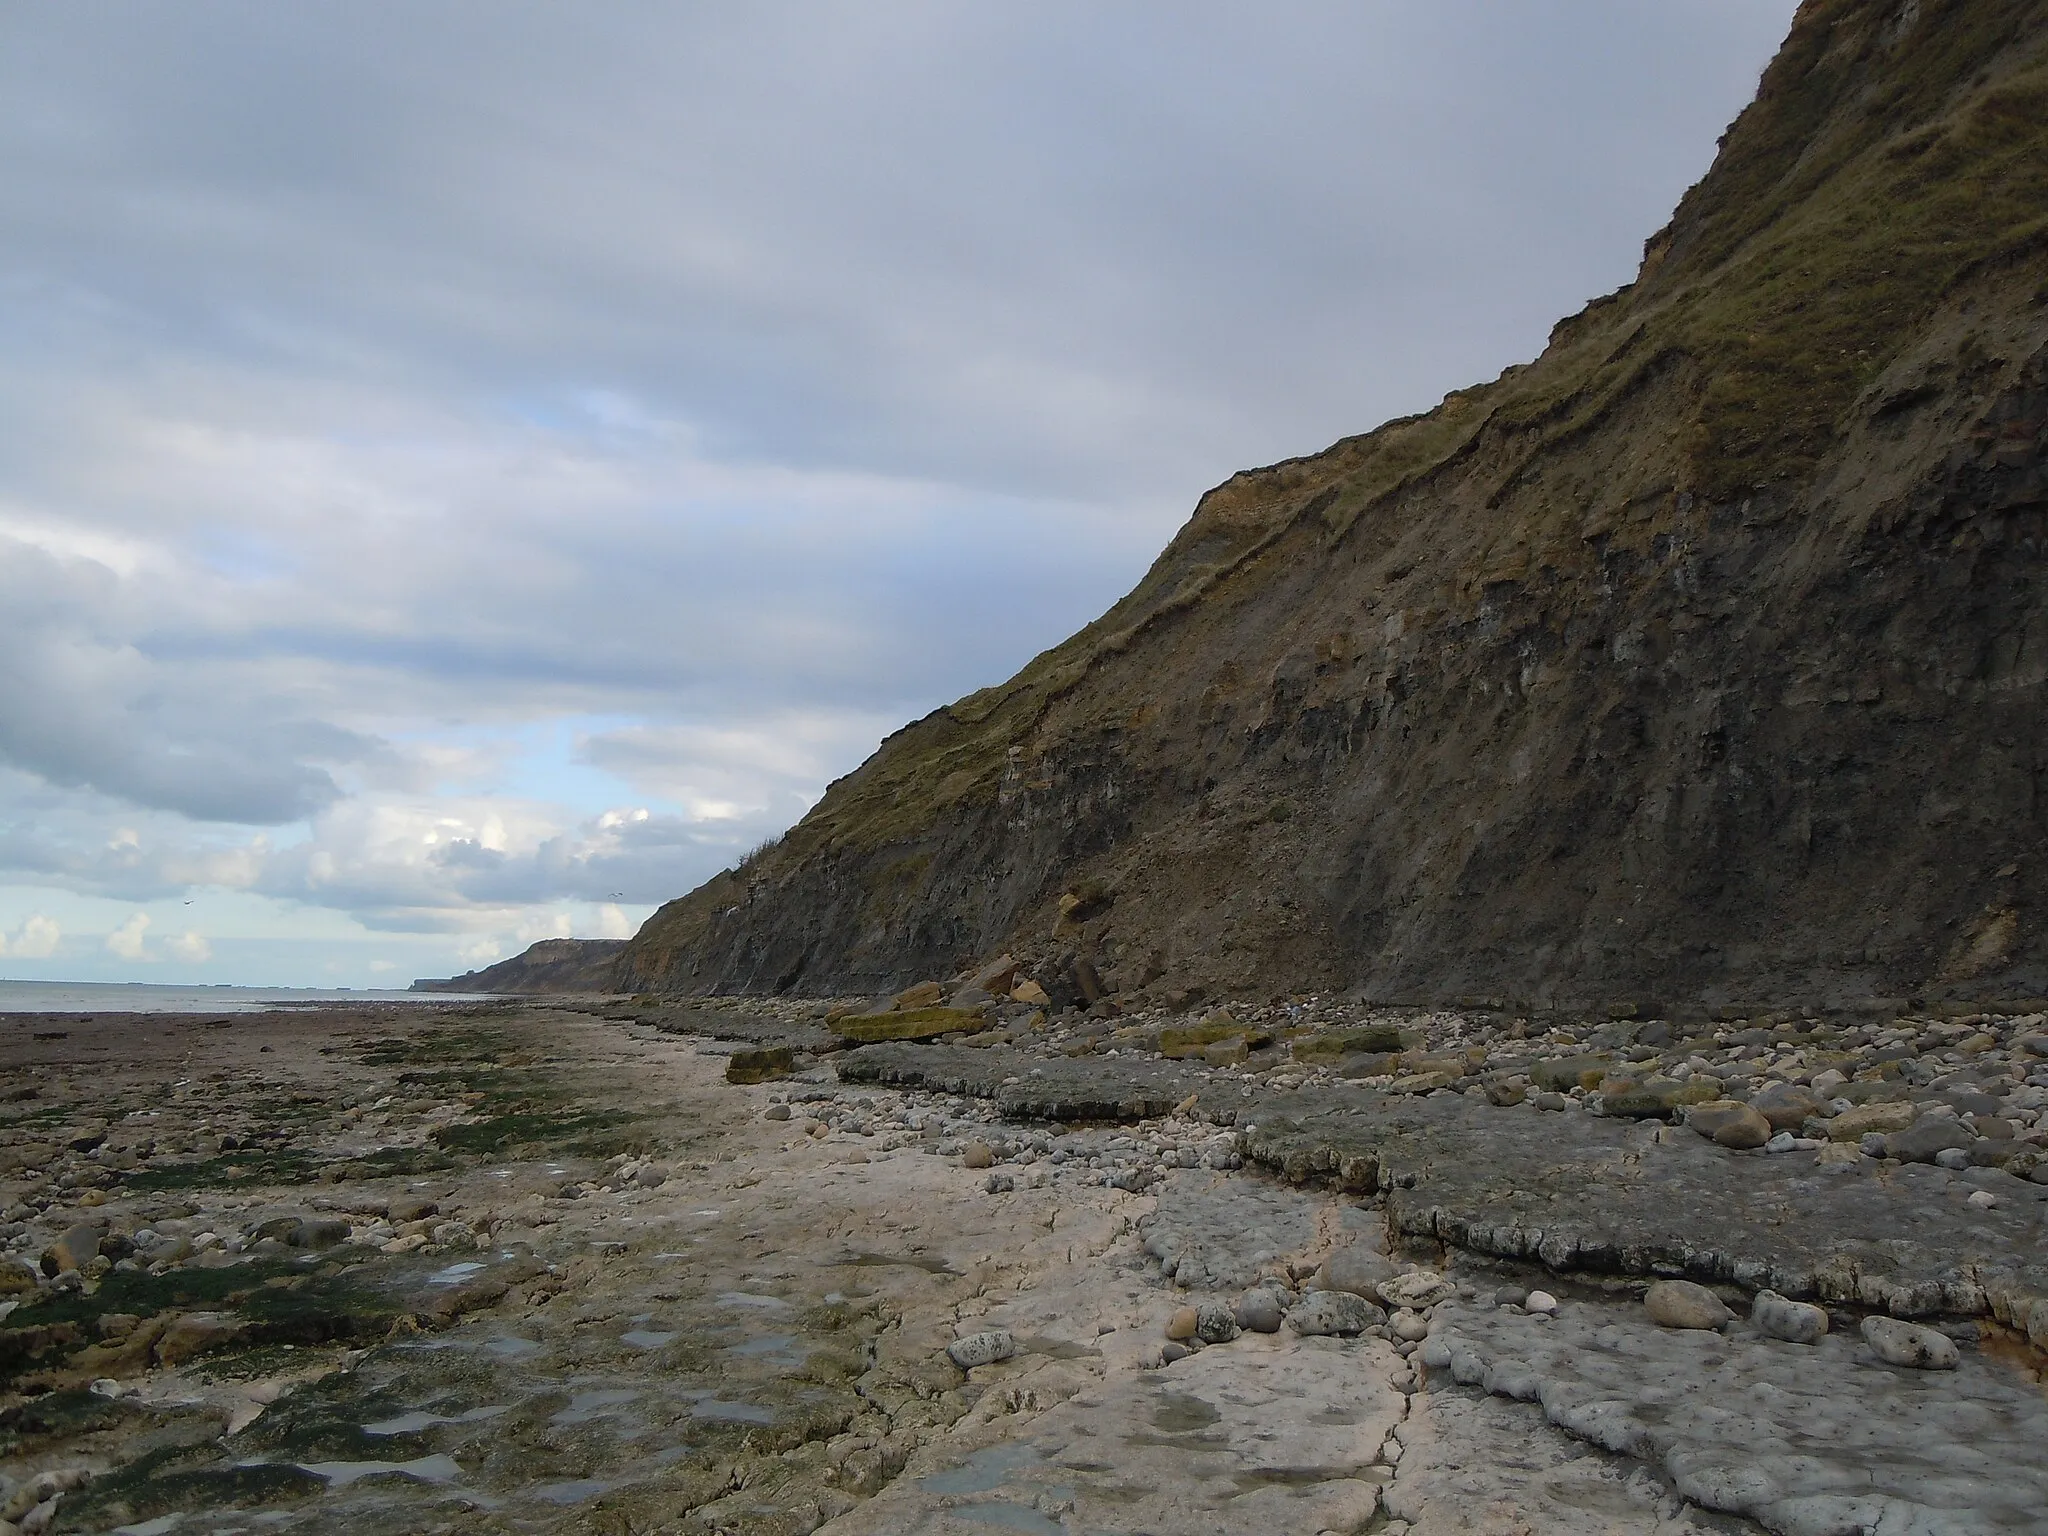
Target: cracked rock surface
(1807, 1440)
(1577, 1191)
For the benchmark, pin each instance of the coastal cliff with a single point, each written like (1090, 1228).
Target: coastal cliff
(550, 966)
(1704, 658)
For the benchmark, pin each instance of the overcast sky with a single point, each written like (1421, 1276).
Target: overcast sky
(469, 471)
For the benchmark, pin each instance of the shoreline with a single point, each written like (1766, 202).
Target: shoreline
(650, 1296)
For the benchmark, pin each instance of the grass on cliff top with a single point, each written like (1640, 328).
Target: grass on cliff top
(1866, 184)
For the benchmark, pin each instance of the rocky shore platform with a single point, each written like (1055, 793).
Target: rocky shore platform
(653, 1266)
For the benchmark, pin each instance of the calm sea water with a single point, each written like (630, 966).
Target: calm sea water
(138, 997)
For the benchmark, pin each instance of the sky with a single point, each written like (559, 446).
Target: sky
(472, 469)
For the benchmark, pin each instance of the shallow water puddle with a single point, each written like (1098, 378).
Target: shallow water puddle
(585, 1406)
(778, 1347)
(982, 1471)
(424, 1469)
(721, 1412)
(509, 1348)
(643, 1338)
(419, 1419)
(455, 1274)
(1009, 1517)
(924, 1262)
(751, 1299)
(573, 1492)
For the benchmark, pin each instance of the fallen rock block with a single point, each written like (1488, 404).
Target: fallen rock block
(760, 1064)
(1927, 1138)
(1729, 1123)
(1787, 1106)
(910, 1024)
(1418, 1289)
(1357, 1269)
(194, 1334)
(1868, 1119)
(1560, 1074)
(74, 1248)
(1334, 1314)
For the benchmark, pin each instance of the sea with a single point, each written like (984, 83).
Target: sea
(142, 997)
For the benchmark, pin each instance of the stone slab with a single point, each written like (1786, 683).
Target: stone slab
(1571, 1191)
(1807, 1440)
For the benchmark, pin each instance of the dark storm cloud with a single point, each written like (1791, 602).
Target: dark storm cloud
(382, 372)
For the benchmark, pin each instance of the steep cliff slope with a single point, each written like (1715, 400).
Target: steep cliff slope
(1705, 658)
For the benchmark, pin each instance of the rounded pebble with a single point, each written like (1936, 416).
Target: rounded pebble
(1908, 1344)
(1779, 1317)
(1682, 1304)
(982, 1348)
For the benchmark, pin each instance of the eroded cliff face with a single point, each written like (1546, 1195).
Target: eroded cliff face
(1703, 659)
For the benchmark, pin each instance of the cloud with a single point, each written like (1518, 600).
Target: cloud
(37, 939)
(189, 948)
(454, 486)
(126, 941)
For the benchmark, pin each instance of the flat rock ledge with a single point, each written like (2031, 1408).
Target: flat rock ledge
(1807, 1440)
(1572, 1192)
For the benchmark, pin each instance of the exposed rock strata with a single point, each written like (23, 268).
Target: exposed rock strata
(1570, 1191)
(1700, 659)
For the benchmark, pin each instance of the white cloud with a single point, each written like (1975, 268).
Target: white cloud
(38, 938)
(189, 947)
(126, 941)
(544, 925)
(544, 547)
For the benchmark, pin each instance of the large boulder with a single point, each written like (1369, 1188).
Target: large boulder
(1334, 1314)
(75, 1247)
(909, 1024)
(1927, 1137)
(1788, 1106)
(1871, 1119)
(1357, 1269)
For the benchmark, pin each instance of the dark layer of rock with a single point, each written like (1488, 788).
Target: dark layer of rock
(754, 1029)
(1033, 1087)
